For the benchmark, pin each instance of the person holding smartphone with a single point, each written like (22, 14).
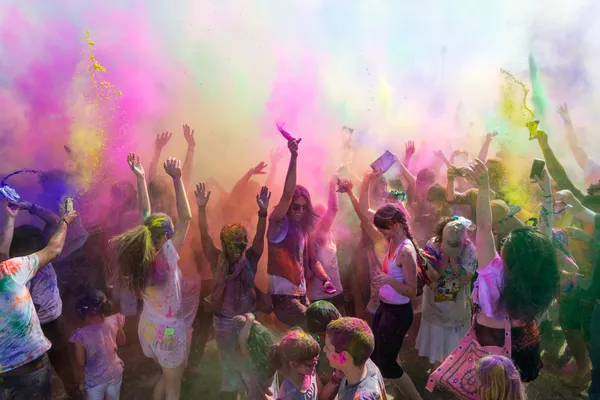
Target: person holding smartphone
(290, 250)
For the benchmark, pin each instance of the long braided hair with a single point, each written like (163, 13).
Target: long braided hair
(390, 214)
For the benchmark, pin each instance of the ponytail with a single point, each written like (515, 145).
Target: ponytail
(134, 254)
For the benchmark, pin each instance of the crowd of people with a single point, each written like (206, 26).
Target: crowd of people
(441, 248)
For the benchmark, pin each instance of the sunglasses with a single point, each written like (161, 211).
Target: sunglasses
(298, 207)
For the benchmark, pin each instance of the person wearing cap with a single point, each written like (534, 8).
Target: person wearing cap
(446, 306)
(504, 219)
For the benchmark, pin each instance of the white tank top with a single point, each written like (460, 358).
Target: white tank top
(386, 292)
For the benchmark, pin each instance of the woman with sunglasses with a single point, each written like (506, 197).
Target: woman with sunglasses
(147, 259)
(290, 251)
(234, 268)
(519, 283)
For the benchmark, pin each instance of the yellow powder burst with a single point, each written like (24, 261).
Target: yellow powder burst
(93, 108)
(513, 105)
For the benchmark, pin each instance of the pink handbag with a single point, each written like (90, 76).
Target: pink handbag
(457, 372)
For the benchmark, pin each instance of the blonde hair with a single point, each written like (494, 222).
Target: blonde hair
(499, 379)
(135, 251)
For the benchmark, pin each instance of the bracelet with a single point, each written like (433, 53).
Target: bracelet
(64, 220)
(34, 209)
(262, 214)
(326, 280)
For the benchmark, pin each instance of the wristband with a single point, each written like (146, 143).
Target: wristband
(326, 279)
(64, 220)
(262, 214)
(34, 209)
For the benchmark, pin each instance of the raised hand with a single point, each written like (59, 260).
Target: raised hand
(491, 135)
(201, 196)
(478, 173)
(345, 186)
(259, 169)
(188, 133)
(173, 167)
(542, 138)
(275, 155)
(162, 139)
(440, 154)
(136, 166)
(293, 146)
(262, 199)
(11, 209)
(563, 111)
(69, 216)
(567, 197)
(410, 148)
(544, 182)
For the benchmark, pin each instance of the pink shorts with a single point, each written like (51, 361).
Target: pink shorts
(165, 340)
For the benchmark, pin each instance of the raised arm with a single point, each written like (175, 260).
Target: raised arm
(578, 210)
(231, 203)
(485, 147)
(365, 221)
(282, 207)
(56, 242)
(159, 143)
(173, 168)
(208, 246)
(555, 168)
(440, 155)
(365, 195)
(50, 218)
(580, 155)
(258, 244)
(409, 152)
(333, 204)
(486, 247)
(136, 166)
(547, 210)
(11, 210)
(188, 163)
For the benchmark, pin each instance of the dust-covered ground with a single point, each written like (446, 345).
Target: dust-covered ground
(202, 379)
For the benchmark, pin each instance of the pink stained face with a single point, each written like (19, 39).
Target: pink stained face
(335, 359)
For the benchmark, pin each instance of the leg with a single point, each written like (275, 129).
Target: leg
(60, 356)
(97, 392)
(159, 391)
(172, 378)
(390, 325)
(35, 385)
(594, 390)
(290, 310)
(113, 389)
(202, 326)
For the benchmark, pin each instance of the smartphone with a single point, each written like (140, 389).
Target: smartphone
(385, 162)
(537, 168)
(10, 194)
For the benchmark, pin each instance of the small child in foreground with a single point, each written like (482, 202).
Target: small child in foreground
(349, 344)
(498, 379)
(96, 346)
